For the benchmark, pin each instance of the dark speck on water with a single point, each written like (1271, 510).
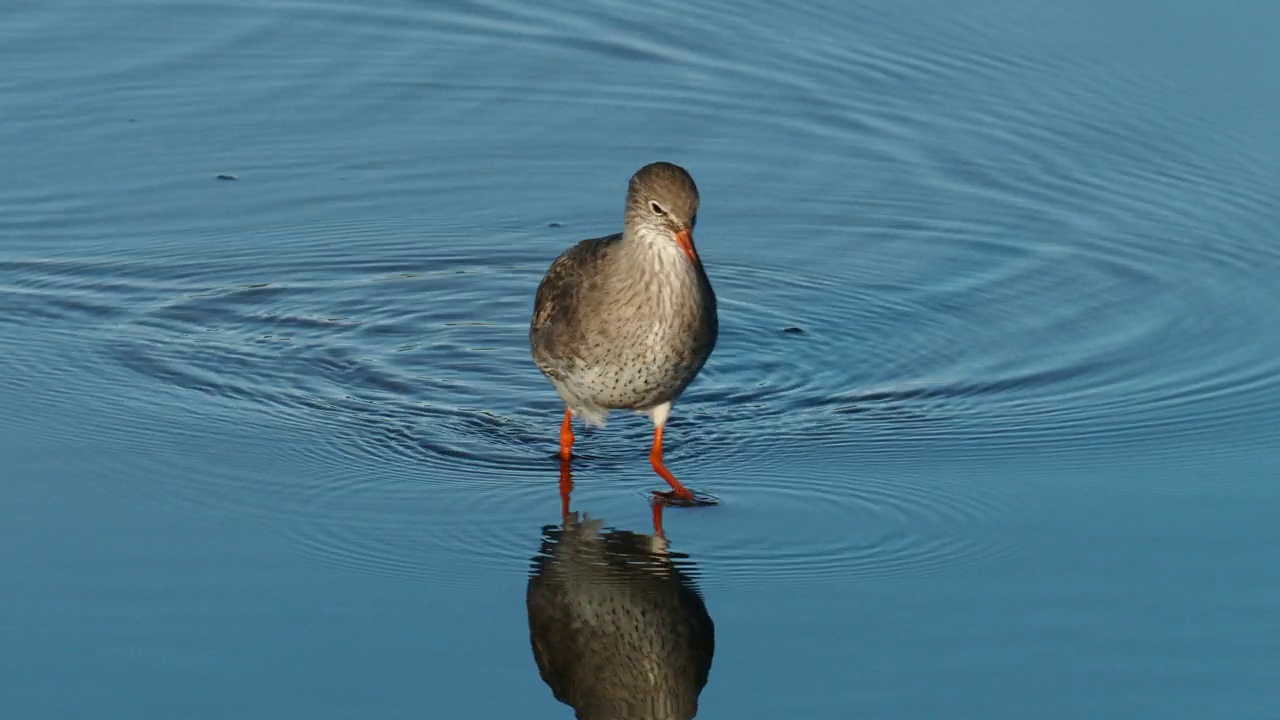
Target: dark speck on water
(1018, 460)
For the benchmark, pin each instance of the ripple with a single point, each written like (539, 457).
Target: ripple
(1057, 267)
(844, 526)
(823, 529)
(388, 355)
(1043, 347)
(402, 376)
(425, 529)
(370, 369)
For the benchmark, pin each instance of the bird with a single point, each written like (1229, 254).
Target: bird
(626, 321)
(617, 625)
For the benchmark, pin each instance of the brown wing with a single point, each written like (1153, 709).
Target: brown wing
(555, 307)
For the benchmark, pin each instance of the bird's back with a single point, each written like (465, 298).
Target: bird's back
(564, 299)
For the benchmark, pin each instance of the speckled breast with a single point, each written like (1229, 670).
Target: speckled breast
(653, 362)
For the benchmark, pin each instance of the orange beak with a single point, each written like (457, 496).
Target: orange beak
(684, 239)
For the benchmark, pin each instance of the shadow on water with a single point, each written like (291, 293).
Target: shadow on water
(617, 624)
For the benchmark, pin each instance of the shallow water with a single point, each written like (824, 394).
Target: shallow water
(992, 415)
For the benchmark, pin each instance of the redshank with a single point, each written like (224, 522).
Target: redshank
(625, 322)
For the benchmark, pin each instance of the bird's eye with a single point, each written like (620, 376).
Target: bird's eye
(657, 209)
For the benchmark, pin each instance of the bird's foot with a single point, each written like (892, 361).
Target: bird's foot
(689, 498)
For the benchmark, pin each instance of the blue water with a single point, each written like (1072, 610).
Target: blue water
(993, 415)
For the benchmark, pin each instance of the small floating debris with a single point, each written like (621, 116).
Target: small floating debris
(226, 177)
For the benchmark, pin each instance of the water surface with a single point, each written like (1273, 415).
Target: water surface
(992, 415)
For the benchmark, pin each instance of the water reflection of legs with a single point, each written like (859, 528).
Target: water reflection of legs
(657, 506)
(566, 487)
(603, 602)
(566, 492)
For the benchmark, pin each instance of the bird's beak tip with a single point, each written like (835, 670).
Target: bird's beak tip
(684, 238)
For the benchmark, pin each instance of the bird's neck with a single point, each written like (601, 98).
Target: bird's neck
(658, 281)
(653, 253)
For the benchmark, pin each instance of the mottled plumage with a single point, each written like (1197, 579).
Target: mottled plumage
(618, 630)
(627, 321)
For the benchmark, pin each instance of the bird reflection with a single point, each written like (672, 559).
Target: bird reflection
(618, 627)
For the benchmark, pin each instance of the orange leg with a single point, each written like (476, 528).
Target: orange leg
(566, 487)
(655, 458)
(566, 436)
